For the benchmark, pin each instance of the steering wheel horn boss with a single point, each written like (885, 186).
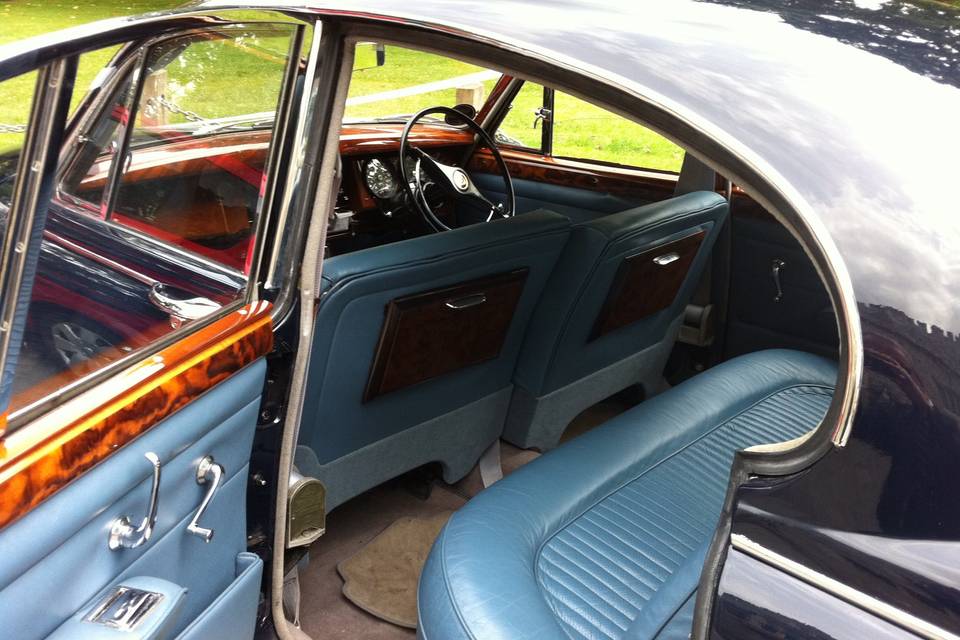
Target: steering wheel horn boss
(460, 180)
(453, 179)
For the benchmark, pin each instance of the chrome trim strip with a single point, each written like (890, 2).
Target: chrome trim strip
(824, 583)
(278, 272)
(99, 259)
(36, 171)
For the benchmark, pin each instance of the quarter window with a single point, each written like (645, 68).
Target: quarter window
(560, 125)
(584, 131)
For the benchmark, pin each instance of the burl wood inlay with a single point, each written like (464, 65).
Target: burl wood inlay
(648, 186)
(647, 282)
(42, 457)
(433, 333)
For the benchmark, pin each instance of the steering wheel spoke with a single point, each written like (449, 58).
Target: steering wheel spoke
(452, 180)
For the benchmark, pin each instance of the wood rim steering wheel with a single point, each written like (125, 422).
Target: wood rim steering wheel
(451, 179)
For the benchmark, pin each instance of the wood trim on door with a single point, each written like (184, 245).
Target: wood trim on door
(42, 457)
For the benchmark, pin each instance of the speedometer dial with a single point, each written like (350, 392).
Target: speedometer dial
(379, 179)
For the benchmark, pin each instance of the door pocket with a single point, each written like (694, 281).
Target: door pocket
(233, 614)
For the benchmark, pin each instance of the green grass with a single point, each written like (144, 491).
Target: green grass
(26, 19)
(251, 84)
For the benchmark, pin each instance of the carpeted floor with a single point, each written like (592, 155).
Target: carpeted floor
(325, 612)
(381, 578)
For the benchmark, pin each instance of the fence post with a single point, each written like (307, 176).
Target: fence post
(471, 94)
(154, 88)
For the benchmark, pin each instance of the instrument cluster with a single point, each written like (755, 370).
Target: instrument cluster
(382, 176)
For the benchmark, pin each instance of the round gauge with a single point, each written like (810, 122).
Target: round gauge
(379, 179)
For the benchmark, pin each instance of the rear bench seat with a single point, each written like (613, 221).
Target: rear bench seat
(605, 536)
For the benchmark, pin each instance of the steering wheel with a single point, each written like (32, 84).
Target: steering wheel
(452, 180)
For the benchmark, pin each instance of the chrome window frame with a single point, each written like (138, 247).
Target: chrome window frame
(48, 50)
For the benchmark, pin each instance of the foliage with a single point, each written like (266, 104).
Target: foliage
(581, 130)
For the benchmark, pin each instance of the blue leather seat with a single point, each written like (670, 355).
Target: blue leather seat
(605, 536)
(569, 362)
(364, 423)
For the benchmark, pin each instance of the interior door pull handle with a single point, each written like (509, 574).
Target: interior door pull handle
(775, 269)
(123, 535)
(467, 301)
(180, 305)
(207, 471)
(667, 258)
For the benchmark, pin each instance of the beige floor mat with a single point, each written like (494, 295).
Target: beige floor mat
(381, 578)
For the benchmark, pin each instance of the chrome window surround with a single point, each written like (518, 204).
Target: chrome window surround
(24, 56)
(36, 171)
(836, 588)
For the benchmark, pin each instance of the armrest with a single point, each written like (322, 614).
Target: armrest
(139, 608)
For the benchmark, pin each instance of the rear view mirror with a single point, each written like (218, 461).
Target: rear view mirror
(466, 109)
(369, 55)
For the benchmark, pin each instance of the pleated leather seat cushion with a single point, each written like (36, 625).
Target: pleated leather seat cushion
(605, 536)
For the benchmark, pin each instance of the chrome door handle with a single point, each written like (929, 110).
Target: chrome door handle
(122, 533)
(207, 471)
(775, 269)
(184, 308)
(466, 302)
(667, 258)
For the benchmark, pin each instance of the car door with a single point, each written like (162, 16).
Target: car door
(123, 474)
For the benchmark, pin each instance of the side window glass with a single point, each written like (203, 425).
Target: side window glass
(17, 94)
(205, 115)
(391, 83)
(183, 134)
(586, 132)
(522, 127)
(86, 178)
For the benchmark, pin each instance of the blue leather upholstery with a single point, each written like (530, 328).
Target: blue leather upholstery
(561, 371)
(229, 615)
(344, 434)
(48, 573)
(605, 536)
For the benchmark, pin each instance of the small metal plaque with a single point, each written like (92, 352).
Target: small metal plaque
(124, 608)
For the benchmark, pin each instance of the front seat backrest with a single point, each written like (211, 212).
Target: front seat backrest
(610, 314)
(415, 345)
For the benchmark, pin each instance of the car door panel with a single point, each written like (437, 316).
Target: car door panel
(51, 572)
(802, 317)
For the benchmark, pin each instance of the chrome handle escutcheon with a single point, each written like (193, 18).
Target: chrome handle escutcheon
(180, 304)
(467, 302)
(667, 258)
(207, 471)
(775, 269)
(123, 535)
